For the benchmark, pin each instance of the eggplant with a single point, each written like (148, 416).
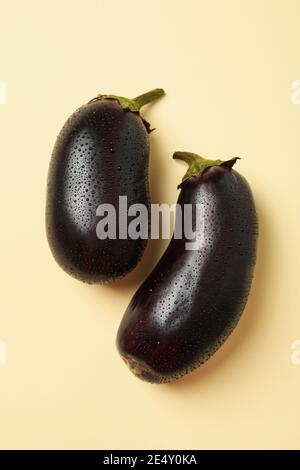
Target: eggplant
(193, 299)
(101, 153)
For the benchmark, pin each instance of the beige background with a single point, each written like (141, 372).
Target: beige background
(227, 67)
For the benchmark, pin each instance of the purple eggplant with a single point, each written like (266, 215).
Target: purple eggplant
(193, 299)
(101, 153)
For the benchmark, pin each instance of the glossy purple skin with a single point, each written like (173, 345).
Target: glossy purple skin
(192, 300)
(101, 153)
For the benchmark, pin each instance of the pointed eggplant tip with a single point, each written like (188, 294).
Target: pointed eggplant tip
(231, 162)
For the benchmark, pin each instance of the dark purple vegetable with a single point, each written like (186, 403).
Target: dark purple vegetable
(192, 300)
(101, 153)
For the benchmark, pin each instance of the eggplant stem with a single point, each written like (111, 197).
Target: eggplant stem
(134, 104)
(198, 164)
(148, 97)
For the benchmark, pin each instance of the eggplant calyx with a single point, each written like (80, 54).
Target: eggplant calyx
(198, 165)
(133, 104)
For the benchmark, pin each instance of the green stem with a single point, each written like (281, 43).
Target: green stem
(148, 97)
(134, 104)
(198, 165)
